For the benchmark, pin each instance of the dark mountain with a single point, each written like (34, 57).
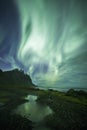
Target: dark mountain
(15, 78)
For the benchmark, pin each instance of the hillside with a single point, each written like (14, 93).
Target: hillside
(15, 78)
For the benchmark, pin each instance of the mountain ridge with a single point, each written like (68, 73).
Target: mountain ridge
(16, 78)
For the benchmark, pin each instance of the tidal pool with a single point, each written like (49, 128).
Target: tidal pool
(32, 110)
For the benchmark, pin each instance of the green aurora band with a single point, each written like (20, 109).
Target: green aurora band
(53, 45)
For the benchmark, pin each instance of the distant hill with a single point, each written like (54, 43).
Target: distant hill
(15, 78)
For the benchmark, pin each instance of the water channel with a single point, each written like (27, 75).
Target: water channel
(34, 112)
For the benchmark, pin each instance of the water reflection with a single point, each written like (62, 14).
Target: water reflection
(31, 97)
(32, 110)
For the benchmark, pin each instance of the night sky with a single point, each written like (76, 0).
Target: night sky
(47, 39)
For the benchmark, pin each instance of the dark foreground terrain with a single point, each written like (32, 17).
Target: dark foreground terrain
(70, 111)
(14, 122)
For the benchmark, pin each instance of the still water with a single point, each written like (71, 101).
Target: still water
(34, 111)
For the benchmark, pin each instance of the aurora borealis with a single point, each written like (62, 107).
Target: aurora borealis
(47, 39)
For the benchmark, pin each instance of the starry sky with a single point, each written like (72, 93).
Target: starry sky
(47, 39)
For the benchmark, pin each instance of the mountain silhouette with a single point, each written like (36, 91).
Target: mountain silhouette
(15, 78)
